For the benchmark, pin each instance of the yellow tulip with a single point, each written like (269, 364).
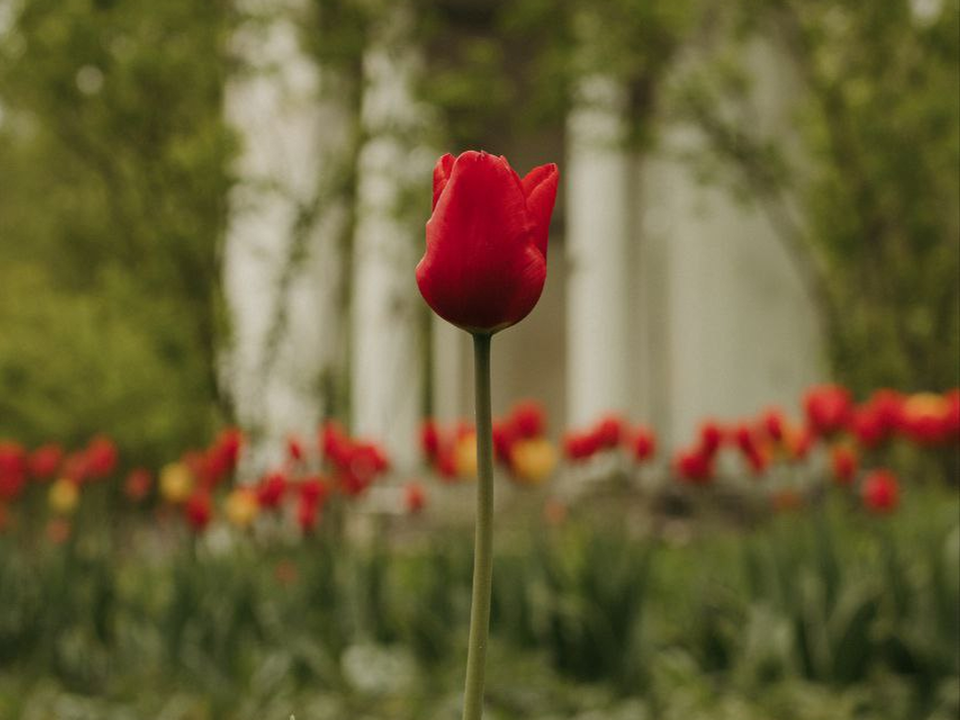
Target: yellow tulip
(925, 404)
(533, 460)
(64, 496)
(176, 482)
(241, 507)
(465, 455)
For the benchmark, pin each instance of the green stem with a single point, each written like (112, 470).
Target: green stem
(483, 540)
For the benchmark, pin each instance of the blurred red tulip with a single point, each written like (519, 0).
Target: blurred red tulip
(828, 408)
(881, 492)
(711, 436)
(844, 461)
(446, 464)
(694, 466)
(75, 467)
(430, 439)
(270, 490)
(137, 485)
(798, 443)
(295, 449)
(643, 444)
(198, 510)
(875, 421)
(101, 457)
(953, 415)
(773, 424)
(504, 436)
(926, 418)
(528, 419)
(308, 515)
(609, 431)
(578, 446)
(414, 497)
(314, 490)
(45, 461)
(335, 444)
(13, 470)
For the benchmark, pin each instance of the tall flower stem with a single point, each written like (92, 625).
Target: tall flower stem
(483, 540)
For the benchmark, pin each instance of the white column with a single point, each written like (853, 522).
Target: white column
(597, 201)
(283, 265)
(738, 326)
(387, 348)
(448, 376)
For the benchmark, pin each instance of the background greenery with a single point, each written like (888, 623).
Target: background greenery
(116, 159)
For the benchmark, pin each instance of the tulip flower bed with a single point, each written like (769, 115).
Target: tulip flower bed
(769, 569)
(819, 615)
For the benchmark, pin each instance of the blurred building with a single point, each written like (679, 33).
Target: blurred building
(667, 299)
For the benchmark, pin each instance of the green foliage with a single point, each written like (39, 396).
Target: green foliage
(505, 71)
(810, 617)
(111, 232)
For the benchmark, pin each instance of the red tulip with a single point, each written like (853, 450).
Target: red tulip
(844, 461)
(828, 408)
(774, 424)
(314, 490)
(486, 257)
(927, 418)
(75, 467)
(199, 510)
(13, 470)
(368, 459)
(744, 438)
(45, 461)
(308, 514)
(504, 436)
(887, 406)
(446, 463)
(711, 435)
(952, 423)
(528, 419)
(295, 449)
(609, 431)
(429, 439)
(881, 493)
(101, 456)
(270, 490)
(414, 497)
(137, 484)
(798, 443)
(694, 467)
(643, 444)
(334, 443)
(579, 446)
(866, 426)
(875, 421)
(221, 458)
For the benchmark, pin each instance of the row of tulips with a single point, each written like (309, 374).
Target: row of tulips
(205, 483)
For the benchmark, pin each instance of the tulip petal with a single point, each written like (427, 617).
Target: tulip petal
(540, 191)
(482, 269)
(441, 174)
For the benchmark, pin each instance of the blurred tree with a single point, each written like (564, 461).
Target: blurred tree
(876, 178)
(111, 233)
